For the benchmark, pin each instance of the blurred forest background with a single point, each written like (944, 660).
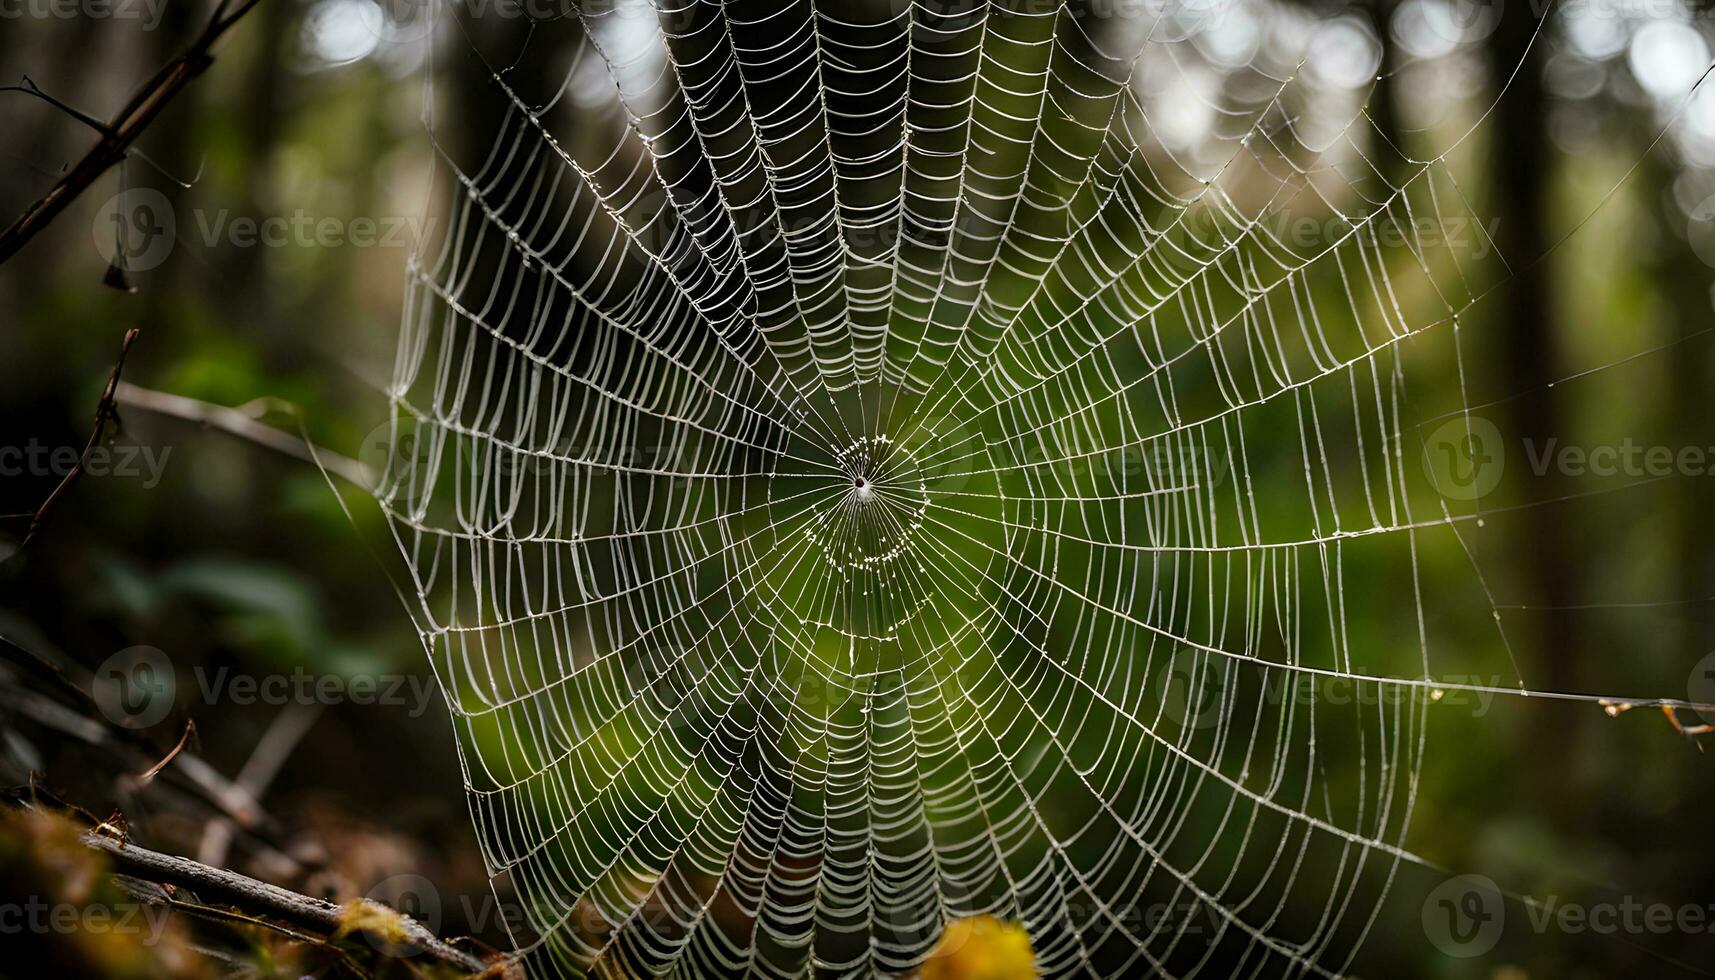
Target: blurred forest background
(233, 556)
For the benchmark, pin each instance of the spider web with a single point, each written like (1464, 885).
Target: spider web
(861, 468)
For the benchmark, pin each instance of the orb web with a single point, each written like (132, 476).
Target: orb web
(862, 466)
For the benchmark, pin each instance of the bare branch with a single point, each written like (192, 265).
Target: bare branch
(276, 745)
(204, 780)
(243, 422)
(266, 900)
(118, 134)
(184, 740)
(105, 411)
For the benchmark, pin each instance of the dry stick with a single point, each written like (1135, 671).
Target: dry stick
(184, 740)
(148, 891)
(270, 901)
(118, 135)
(207, 783)
(244, 422)
(281, 737)
(105, 411)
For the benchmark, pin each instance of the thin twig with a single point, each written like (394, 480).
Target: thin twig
(167, 895)
(263, 899)
(29, 87)
(271, 752)
(105, 411)
(243, 422)
(119, 133)
(209, 784)
(184, 740)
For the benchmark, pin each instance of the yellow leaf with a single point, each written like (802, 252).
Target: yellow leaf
(373, 918)
(981, 948)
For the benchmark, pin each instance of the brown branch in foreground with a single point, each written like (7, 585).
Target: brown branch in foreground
(105, 411)
(123, 130)
(152, 893)
(271, 901)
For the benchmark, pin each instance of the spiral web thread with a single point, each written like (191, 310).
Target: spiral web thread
(858, 474)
